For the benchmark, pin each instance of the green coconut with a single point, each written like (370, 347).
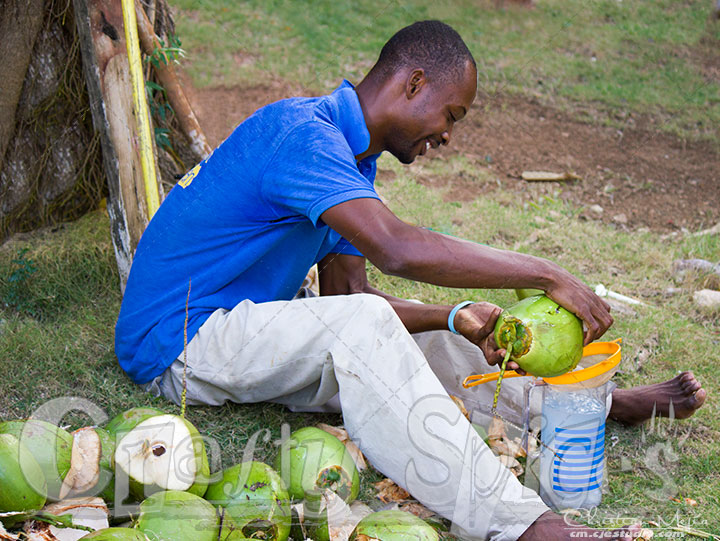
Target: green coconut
(127, 420)
(163, 452)
(116, 534)
(22, 482)
(106, 482)
(394, 526)
(315, 459)
(50, 445)
(256, 500)
(173, 515)
(546, 340)
(525, 293)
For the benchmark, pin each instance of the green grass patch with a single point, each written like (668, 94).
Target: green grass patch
(646, 56)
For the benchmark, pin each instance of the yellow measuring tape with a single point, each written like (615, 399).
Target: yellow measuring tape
(147, 156)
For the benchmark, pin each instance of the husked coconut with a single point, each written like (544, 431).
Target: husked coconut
(164, 452)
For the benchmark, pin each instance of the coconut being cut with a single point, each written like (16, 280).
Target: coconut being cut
(164, 452)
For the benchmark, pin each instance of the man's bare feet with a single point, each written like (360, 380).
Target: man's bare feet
(553, 527)
(634, 406)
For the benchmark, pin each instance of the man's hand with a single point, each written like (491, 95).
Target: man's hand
(575, 296)
(476, 322)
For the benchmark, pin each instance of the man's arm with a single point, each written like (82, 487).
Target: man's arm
(419, 254)
(346, 275)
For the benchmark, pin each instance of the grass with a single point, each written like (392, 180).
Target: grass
(61, 343)
(646, 57)
(57, 316)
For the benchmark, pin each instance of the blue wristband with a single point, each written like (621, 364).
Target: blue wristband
(454, 311)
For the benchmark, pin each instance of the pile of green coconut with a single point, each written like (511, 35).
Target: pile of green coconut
(57, 485)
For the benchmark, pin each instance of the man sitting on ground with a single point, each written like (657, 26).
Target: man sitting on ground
(293, 186)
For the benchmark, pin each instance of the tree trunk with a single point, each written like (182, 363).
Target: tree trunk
(20, 22)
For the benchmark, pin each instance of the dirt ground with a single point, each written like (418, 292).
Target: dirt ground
(641, 177)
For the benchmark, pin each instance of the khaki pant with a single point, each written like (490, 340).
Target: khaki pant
(391, 388)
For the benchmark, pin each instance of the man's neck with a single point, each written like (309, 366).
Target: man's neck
(372, 100)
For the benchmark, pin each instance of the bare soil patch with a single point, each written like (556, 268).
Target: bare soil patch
(640, 176)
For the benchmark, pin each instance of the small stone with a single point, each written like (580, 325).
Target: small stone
(620, 219)
(596, 209)
(707, 298)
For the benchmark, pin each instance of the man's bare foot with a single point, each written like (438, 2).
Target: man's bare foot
(553, 527)
(634, 406)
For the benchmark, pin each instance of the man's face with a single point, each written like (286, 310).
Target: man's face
(425, 119)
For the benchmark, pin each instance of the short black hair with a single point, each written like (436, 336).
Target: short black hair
(431, 45)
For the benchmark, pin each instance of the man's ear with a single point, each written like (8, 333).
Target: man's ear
(415, 82)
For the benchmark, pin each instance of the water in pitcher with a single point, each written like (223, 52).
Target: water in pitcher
(572, 458)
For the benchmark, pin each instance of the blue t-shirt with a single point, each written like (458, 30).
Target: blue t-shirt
(244, 223)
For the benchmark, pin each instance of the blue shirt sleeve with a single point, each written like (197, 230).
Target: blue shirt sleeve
(313, 169)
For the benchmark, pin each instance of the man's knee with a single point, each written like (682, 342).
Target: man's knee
(374, 305)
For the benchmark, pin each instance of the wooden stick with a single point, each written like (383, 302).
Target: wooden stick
(169, 81)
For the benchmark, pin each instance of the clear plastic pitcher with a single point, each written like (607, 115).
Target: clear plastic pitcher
(568, 468)
(572, 454)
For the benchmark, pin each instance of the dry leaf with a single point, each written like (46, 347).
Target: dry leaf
(686, 501)
(646, 534)
(512, 464)
(500, 444)
(388, 491)
(496, 430)
(460, 404)
(417, 509)
(341, 434)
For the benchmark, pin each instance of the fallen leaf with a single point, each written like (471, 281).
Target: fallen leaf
(496, 430)
(512, 464)
(687, 501)
(341, 434)
(460, 404)
(417, 509)
(388, 491)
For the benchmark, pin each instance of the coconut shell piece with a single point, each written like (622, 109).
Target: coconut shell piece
(90, 513)
(84, 463)
(6, 536)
